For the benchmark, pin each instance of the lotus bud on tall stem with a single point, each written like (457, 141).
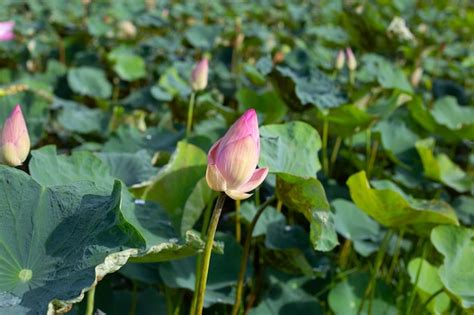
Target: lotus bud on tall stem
(232, 170)
(351, 65)
(6, 31)
(199, 77)
(14, 139)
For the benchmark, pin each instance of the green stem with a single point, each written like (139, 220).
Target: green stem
(368, 145)
(395, 256)
(373, 154)
(432, 296)
(351, 78)
(413, 292)
(189, 125)
(325, 146)
(245, 255)
(378, 264)
(206, 256)
(90, 301)
(206, 219)
(237, 221)
(257, 196)
(279, 205)
(205, 224)
(335, 152)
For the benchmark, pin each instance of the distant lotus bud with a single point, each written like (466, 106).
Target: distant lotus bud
(199, 75)
(340, 60)
(232, 160)
(14, 139)
(351, 60)
(416, 76)
(6, 31)
(127, 29)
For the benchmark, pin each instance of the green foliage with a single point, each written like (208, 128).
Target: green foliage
(364, 165)
(391, 207)
(280, 143)
(457, 246)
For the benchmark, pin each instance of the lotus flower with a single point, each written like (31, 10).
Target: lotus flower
(340, 60)
(232, 160)
(14, 139)
(199, 75)
(351, 60)
(6, 31)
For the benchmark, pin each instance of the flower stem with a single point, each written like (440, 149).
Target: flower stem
(325, 146)
(205, 224)
(335, 151)
(206, 255)
(90, 301)
(373, 279)
(245, 255)
(237, 221)
(189, 125)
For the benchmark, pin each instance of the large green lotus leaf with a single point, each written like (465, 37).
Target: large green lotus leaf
(81, 119)
(399, 145)
(314, 87)
(345, 298)
(352, 223)
(269, 216)
(173, 84)
(287, 298)
(331, 33)
(428, 283)
(176, 184)
(392, 77)
(130, 139)
(134, 169)
(89, 81)
(442, 169)
(281, 143)
(223, 272)
(464, 206)
(447, 112)
(35, 110)
(377, 68)
(346, 120)
(426, 118)
(288, 248)
(308, 197)
(267, 103)
(55, 241)
(127, 65)
(393, 209)
(202, 36)
(457, 246)
(150, 220)
(50, 169)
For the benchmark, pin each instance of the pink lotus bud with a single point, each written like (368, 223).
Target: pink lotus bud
(351, 60)
(416, 76)
(199, 75)
(6, 31)
(340, 60)
(14, 139)
(232, 160)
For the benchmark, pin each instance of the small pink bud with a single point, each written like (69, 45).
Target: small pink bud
(340, 60)
(199, 75)
(351, 60)
(416, 76)
(6, 31)
(232, 160)
(14, 139)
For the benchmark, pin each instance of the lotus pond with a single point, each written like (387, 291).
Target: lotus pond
(236, 157)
